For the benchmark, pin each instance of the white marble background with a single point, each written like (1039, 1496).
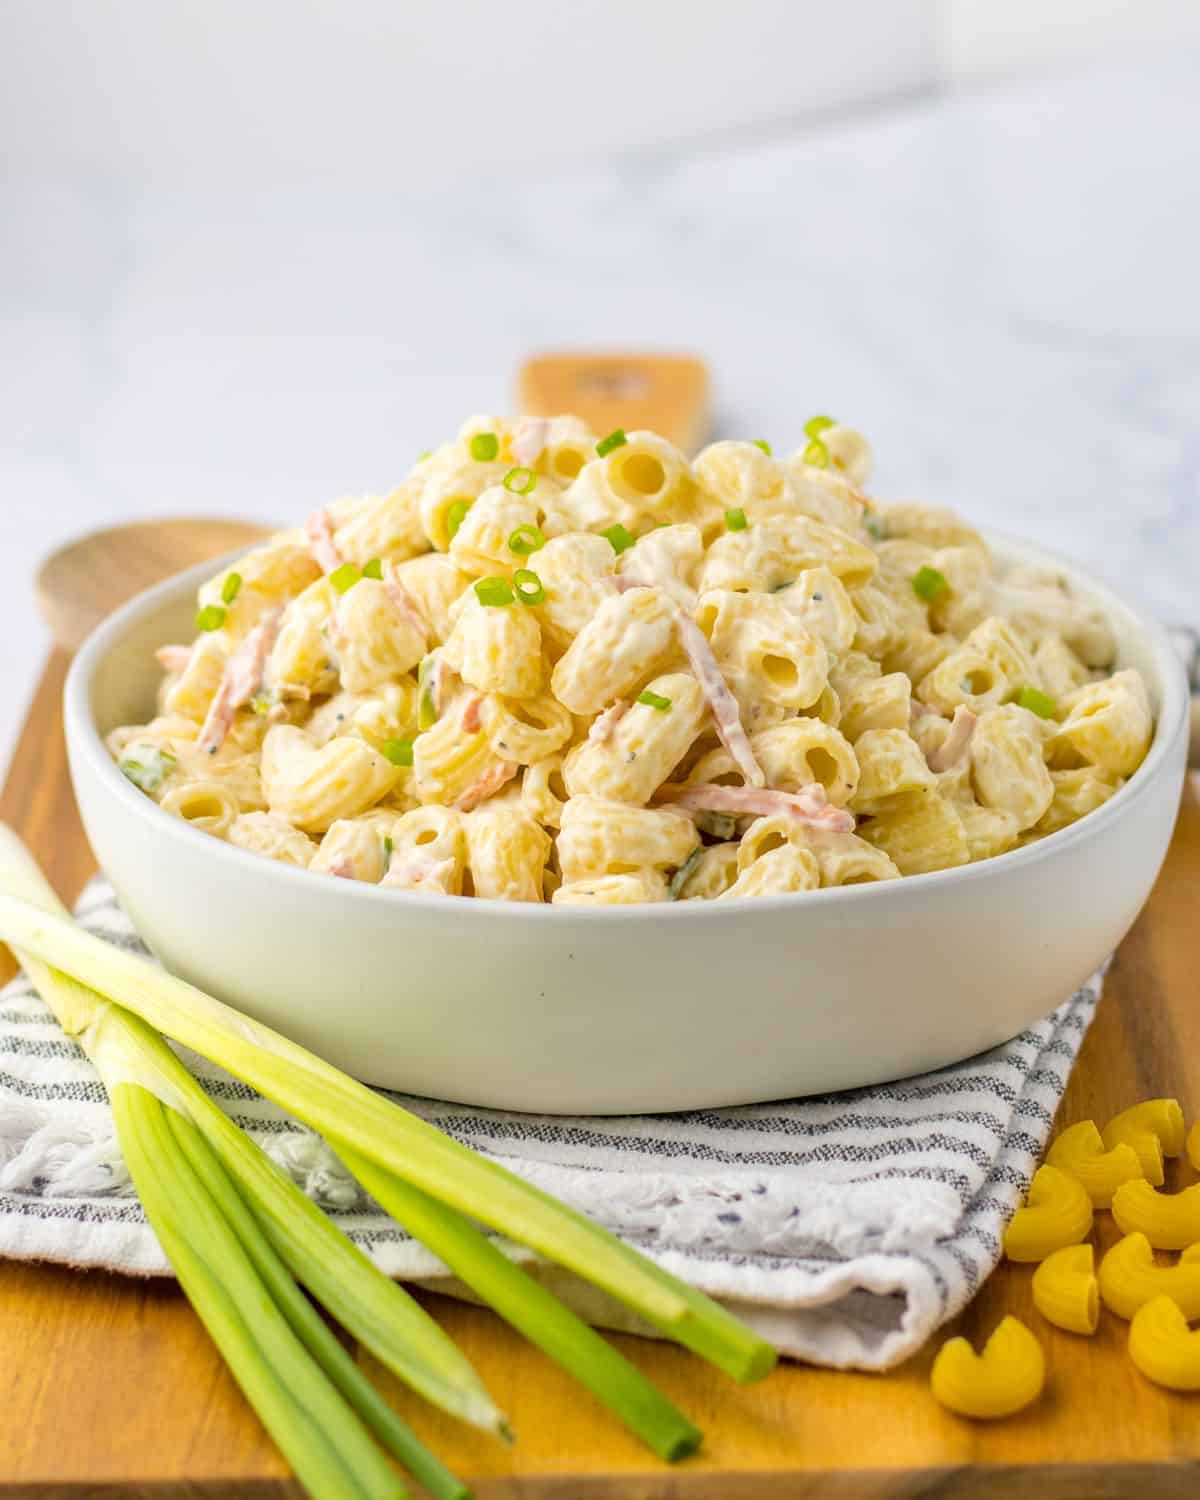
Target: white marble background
(1000, 287)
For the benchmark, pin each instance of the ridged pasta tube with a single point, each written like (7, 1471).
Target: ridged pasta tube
(628, 889)
(1162, 1346)
(919, 833)
(1066, 1291)
(616, 650)
(313, 787)
(788, 868)
(273, 837)
(207, 805)
(495, 649)
(506, 854)
(1170, 1221)
(1130, 1277)
(1057, 1212)
(1108, 724)
(1079, 1151)
(1007, 1376)
(601, 837)
(631, 762)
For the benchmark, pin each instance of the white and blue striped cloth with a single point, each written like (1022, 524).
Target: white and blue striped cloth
(845, 1227)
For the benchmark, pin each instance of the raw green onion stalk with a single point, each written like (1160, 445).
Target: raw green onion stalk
(240, 1235)
(243, 1238)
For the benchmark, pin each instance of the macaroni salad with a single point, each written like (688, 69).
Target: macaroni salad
(549, 667)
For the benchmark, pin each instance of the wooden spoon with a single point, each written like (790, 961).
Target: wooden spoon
(85, 580)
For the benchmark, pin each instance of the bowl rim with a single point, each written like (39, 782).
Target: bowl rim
(84, 738)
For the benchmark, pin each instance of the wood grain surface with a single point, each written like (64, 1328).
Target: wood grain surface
(110, 1386)
(86, 579)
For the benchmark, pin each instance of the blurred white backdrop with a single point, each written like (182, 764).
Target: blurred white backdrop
(252, 257)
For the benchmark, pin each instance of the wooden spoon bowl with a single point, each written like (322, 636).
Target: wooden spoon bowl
(85, 580)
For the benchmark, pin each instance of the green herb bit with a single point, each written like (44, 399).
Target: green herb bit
(619, 538)
(520, 481)
(211, 617)
(764, 445)
(684, 874)
(262, 704)
(427, 714)
(816, 455)
(484, 447)
(876, 528)
(615, 439)
(929, 584)
(423, 456)
(232, 587)
(528, 586)
(344, 578)
(149, 773)
(654, 700)
(399, 752)
(815, 426)
(456, 514)
(496, 592)
(736, 519)
(1036, 702)
(373, 568)
(526, 540)
(388, 846)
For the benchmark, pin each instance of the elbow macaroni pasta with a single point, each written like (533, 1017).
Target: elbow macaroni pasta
(1065, 1289)
(1005, 1378)
(548, 666)
(1057, 1212)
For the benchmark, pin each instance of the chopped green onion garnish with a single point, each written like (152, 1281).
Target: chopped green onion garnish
(876, 528)
(520, 481)
(231, 587)
(456, 514)
(526, 539)
(149, 773)
(211, 617)
(427, 454)
(615, 439)
(528, 586)
(736, 519)
(815, 426)
(816, 455)
(929, 584)
(345, 577)
(764, 445)
(484, 447)
(262, 704)
(399, 752)
(373, 568)
(619, 537)
(427, 713)
(1036, 702)
(388, 846)
(496, 593)
(683, 874)
(779, 587)
(654, 700)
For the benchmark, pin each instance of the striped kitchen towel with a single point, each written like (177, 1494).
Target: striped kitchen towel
(846, 1227)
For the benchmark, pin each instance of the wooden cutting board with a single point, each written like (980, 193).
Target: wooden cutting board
(110, 1386)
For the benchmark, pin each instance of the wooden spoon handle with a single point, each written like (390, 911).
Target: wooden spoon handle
(666, 393)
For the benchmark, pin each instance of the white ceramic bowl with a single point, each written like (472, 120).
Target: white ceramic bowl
(606, 1011)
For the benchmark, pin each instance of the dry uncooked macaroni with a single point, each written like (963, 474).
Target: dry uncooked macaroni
(552, 667)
